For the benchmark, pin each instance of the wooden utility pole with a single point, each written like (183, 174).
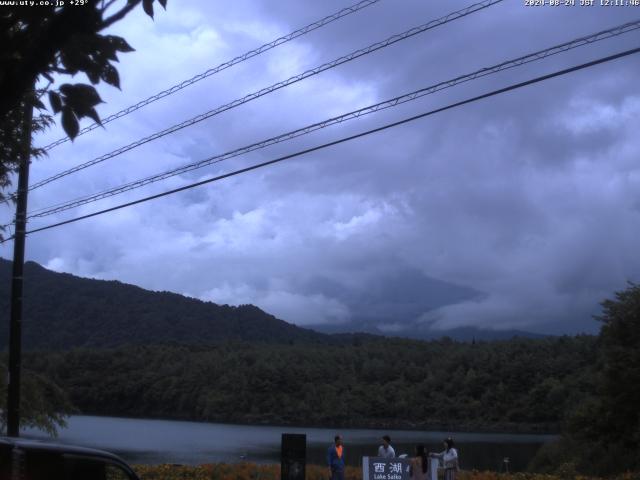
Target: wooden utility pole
(15, 328)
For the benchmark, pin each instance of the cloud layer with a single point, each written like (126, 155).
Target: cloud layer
(522, 211)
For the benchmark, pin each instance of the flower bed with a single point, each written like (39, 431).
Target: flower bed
(252, 471)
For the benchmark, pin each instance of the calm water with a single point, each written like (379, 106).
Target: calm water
(162, 441)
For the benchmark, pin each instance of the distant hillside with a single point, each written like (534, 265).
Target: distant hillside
(64, 311)
(420, 332)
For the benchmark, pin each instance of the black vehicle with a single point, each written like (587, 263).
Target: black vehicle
(34, 460)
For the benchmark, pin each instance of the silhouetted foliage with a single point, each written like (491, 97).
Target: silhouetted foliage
(44, 405)
(41, 42)
(603, 434)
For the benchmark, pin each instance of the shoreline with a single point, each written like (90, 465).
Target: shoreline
(511, 429)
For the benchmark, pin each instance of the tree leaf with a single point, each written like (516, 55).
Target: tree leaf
(87, 94)
(55, 101)
(110, 75)
(80, 97)
(74, 56)
(147, 5)
(120, 43)
(38, 104)
(70, 122)
(94, 116)
(104, 46)
(66, 89)
(108, 51)
(94, 77)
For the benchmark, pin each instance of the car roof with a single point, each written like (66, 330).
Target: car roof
(61, 448)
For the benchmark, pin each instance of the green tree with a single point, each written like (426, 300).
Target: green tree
(620, 390)
(44, 404)
(609, 424)
(603, 435)
(40, 43)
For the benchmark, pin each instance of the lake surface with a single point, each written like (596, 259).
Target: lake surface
(192, 443)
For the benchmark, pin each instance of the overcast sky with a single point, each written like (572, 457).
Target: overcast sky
(521, 211)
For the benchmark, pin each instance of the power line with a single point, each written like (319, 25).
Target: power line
(223, 66)
(276, 86)
(346, 139)
(531, 57)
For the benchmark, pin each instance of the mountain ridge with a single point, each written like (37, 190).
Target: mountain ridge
(63, 311)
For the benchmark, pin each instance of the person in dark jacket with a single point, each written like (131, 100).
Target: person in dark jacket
(335, 459)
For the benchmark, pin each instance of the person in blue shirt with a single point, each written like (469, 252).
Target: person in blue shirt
(335, 459)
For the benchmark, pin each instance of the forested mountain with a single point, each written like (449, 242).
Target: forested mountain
(65, 311)
(513, 385)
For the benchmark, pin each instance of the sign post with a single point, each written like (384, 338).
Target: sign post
(293, 456)
(381, 468)
(434, 463)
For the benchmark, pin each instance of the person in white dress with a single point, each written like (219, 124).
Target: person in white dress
(449, 457)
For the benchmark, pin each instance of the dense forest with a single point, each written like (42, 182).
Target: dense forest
(516, 385)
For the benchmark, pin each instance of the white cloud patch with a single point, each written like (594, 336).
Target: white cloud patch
(56, 264)
(588, 117)
(292, 307)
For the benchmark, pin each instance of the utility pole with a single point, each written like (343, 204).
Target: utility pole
(15, 328)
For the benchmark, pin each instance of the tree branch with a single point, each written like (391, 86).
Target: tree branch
(119, 15)
(106, 7)
(44, 90)
(63, 71)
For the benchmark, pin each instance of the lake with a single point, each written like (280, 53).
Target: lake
(192, 443)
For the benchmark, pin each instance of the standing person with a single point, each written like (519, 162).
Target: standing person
(449, 459)
(335, 459)
(419, 464)
(386, 450)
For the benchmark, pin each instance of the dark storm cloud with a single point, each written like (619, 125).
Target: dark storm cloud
(520, 211)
